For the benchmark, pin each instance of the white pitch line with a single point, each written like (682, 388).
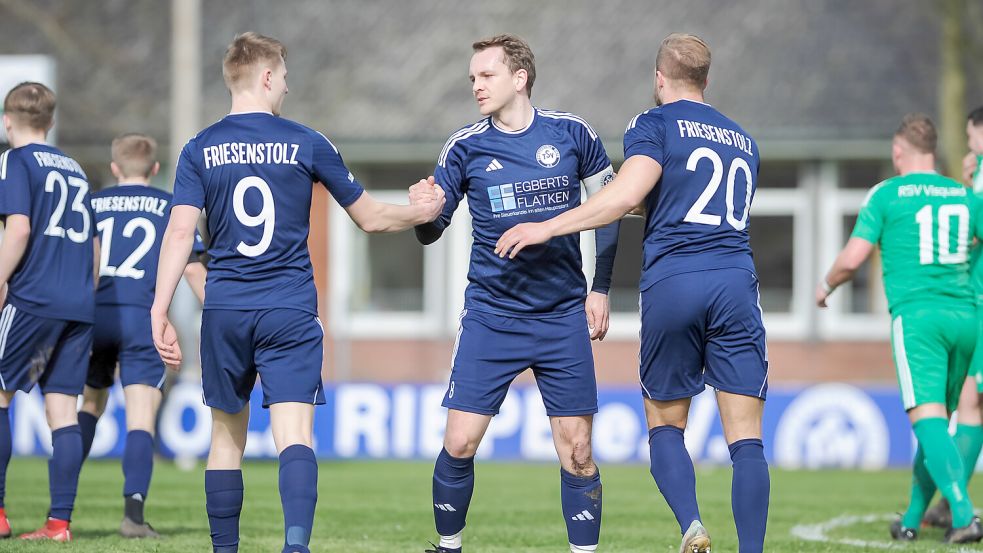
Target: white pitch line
(818, 532)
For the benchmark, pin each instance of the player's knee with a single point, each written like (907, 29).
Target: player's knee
(581, 459)
(460, 445)
(94, 401)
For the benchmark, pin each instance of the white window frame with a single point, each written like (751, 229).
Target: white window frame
(835, 322)
(347, 324)
(796, 203)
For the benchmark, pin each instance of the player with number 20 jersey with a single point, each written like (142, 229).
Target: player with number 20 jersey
(694, 171)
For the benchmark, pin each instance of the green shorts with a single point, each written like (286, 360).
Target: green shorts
(932, 351)
(976, 366)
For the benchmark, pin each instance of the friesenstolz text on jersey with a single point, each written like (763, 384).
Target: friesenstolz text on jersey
(245, 153)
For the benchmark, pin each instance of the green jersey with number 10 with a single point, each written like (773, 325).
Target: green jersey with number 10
(924, 224)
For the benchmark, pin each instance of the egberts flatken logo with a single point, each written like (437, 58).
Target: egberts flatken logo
(502, 197)
(547, 155)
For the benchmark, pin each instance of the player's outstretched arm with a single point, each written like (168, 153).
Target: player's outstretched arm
(374, 216)
(853, 255)
(15, 238)
(174, 252)
(635, 180)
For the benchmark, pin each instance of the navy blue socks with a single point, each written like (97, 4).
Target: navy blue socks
(298, 495)
(750, 489)
(581, 501)
(453, 484)
(673, 471)
(138, 465)
(5, 449)
(223, 502)
(63, 470)
(87, 423)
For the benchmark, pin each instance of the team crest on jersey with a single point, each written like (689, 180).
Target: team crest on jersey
(607, 179)
(547, 155)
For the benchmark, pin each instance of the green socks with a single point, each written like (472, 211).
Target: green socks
(969, 442)
(945, 466)
(922, 490)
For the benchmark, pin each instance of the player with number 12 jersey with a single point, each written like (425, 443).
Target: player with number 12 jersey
(131, 218)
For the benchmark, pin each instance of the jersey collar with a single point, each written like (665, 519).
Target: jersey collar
(522, 131)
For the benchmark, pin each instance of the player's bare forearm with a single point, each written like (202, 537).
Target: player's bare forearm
(853, 255)
(194, 274)
(622, 196)
(636, 179)
(175, 249)
(16, 236)
(373, 216)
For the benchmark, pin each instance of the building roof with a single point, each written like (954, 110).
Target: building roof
(395, 71)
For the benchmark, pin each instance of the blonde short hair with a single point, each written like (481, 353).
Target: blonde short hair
(518, 55)
(31, 104)
(684, 57)
(246, 52)
(135, 154)
(918, 130)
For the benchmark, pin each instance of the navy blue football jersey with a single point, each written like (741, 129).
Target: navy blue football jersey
(54, 278)
(517, 177)
(698, 211)
(253, 174)
(131, 219)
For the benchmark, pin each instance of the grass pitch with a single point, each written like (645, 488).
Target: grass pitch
(384, 507)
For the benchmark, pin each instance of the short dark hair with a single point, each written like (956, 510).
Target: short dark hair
(976, 116)
(31, 104)
(918, 130)
(518, 55)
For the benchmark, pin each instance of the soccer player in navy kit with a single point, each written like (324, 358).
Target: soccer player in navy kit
(46, 276)
(521, 163)
(252, 172)
(695, 171)
(131, 218)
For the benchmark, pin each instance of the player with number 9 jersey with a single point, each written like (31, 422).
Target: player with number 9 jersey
(252, 174)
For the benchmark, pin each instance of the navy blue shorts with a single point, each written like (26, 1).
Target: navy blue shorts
(36, 350)
(284, 346)
(491, 350)
(703, 328)
(122, 335)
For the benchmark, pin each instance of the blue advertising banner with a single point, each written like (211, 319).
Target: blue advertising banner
(823, 426)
